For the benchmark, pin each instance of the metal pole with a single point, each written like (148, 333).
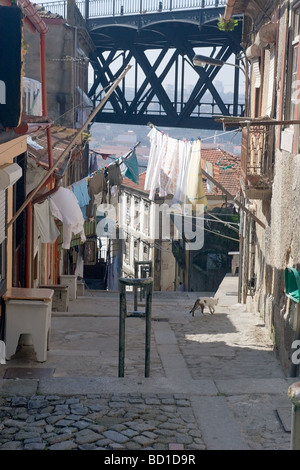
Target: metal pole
(86, 9)
(136, 275)
(147, 283)
(148, 330)
(122, 329)
(294, 395)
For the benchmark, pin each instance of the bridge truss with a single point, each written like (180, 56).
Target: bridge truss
(163, 86)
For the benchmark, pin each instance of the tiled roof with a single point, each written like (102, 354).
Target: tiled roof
(46, 14)
(139, 186)
(226, 169)
(226, 172)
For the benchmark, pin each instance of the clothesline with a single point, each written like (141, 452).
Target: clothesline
(200, 138)
(194, 193)
(174, 167)
(78, 202)
(112, 156)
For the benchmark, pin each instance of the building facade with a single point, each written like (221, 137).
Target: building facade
(142, 234)
(271, 166)
(67, 47)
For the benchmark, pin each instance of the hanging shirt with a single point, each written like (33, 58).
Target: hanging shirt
(114, 174)
(195, 189)
(97, 188)
(45, 223)
(161, 150)
(184, 159)
(129, 167)
(80, 189)
(169, 168)
(155, 142)
(97, 184)
(93, 163)
(64, 206)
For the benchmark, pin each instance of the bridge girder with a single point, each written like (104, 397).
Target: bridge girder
(162, 45)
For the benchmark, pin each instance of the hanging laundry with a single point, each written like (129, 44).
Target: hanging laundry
(45, 222)
(169, 168)
(113, 273)
(97, 188)
(184, 159)
(161, 150)
(93, 163)
(64, 206)
(80, 189)
(129, 167)
(155, 138)
(195, 189)
(97, 184)
(114, 174)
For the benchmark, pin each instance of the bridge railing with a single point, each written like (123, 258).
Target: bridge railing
(98, 8)
(203, 109)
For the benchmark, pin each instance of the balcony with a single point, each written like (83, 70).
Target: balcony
(257, 161)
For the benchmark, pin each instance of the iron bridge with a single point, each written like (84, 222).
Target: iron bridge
(159, 40)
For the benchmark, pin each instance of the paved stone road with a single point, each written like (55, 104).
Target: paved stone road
(106, 421)
(215, 381)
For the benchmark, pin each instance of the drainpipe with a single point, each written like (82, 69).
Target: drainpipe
(44, 94)
(28, 245)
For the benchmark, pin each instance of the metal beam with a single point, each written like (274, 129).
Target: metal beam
(135, 36)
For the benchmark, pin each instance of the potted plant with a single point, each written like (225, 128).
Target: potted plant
(226, 25)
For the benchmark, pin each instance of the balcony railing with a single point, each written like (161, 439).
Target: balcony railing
(257, 161)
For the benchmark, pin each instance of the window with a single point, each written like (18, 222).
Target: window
(291, 92)
(2, 234)
(145, 252)
(294, 66)
(146, 219)
(127, 250)
(136, 250)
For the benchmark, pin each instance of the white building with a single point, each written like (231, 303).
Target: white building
(143, 236)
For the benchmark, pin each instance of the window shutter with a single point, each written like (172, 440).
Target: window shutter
(2, 214)
(256, 69)
(271, 81)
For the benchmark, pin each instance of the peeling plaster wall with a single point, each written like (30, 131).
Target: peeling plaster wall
(285, 211)
(276, 248)
(59, 71)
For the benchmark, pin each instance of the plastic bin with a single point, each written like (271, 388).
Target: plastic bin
(292, 284)
(71, 281)
(28, 312)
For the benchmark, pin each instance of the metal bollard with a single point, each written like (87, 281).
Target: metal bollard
(145, 268)
(294, 395)
(147, 283)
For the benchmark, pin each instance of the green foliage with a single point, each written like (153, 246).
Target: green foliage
(227, 25)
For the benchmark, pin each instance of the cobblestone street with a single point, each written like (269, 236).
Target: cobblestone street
(215, 382)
